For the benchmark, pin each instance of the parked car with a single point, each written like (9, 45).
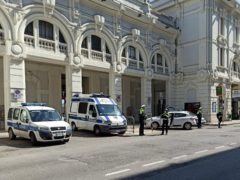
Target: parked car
(182, 119)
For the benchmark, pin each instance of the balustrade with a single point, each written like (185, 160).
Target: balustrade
(29, 40)
(47, 44)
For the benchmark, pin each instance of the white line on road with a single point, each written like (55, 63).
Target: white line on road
(203, 151)
(179, 157)
(117, 172)
(219, 147)
(232, 143)
(154, 163)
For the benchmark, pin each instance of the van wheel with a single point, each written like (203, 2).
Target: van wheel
(11, 134)
(97, 131)
(154, 125)
(187, 126)
(74, 127)
(33, 139)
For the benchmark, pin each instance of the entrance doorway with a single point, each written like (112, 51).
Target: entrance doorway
(95, 82)
(158, 97)
(131, 93)
(45, 83)
(235, 101)
(1, 95)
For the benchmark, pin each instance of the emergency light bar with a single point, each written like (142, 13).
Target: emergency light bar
(33, 104)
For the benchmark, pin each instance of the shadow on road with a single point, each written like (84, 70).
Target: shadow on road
(89, 134)
(221, 166)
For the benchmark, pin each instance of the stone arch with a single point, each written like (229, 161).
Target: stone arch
(139, 44)
(164, 51)
(6, 23)
(106, 34)
(57, 19)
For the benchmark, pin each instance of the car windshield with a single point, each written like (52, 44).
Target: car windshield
(108, 110)
(44, 115)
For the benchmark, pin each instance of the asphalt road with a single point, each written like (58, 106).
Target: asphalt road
(207, 153)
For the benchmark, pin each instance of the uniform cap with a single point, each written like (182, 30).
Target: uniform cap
(143, 105)
(200, 107)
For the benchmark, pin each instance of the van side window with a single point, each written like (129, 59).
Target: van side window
(74, 107)
(16, 114)
(10, 113)
(24, 116)
(82, 109)
(91, 110)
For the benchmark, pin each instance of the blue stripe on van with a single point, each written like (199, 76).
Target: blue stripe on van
(97, 101)
(22, 127)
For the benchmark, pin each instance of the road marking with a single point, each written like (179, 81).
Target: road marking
(232, 144)
(117, 172)
(219, 147)
(179, 157)
(153, 163)
(203, 151)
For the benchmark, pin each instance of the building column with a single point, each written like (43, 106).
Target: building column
(146, 94)
(115, 87)
(14, 83)
(73, 84)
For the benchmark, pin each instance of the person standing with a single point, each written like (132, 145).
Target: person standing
(165, 116)
(219, 116)
(199, 116)
(142, 116)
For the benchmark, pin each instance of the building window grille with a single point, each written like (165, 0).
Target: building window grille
(132, 52)
(237, 34)
(221, 63)
(46, 30)
(84, 43)
(96, 43)
(29, 29)
(61, 38)
(222, 26)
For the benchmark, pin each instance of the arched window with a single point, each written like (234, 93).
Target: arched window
(96, 48)
(46, 39)
(159, 64)
(1, 33)
(132, 58)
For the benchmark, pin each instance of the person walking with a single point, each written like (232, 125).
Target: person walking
(199, 116)
(142, 116)
(219, 117)
(165, 116)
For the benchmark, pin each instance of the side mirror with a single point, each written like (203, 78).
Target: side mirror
(94, 114)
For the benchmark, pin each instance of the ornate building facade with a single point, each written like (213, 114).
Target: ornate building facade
(52, 50)
(208, 54)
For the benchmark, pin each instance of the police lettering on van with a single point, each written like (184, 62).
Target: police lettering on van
(98, 113)
(38, 123)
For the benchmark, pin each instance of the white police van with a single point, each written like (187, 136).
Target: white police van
(98, 113)
(38, 123)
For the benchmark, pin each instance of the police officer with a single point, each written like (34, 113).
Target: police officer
(165, 116)
(219, 116)
(142, 116)
(199, 116)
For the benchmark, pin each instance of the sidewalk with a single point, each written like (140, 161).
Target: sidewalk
(225, 123)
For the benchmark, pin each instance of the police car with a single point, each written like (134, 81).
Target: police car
(38, 123)
(98, 113)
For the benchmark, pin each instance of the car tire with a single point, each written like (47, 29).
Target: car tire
(74, 127)
(187, 126)
(154, 125)
(33, 139)
(121, 133)
(97, 131)
(11, 134)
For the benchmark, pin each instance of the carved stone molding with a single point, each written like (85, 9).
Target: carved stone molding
(49, 6)
(149, 73)
(135, 34)
(202, 75)
(17, 49)
(77, 61)
(99, 22)
(221, 40)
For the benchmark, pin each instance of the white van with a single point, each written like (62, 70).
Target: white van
(38, 123)
(98, 113)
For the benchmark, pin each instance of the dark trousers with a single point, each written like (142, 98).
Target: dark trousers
(165, 126)
(219, 122)
(199, 124)
(141, 128)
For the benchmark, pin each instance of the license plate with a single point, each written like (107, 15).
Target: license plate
(58, 134)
